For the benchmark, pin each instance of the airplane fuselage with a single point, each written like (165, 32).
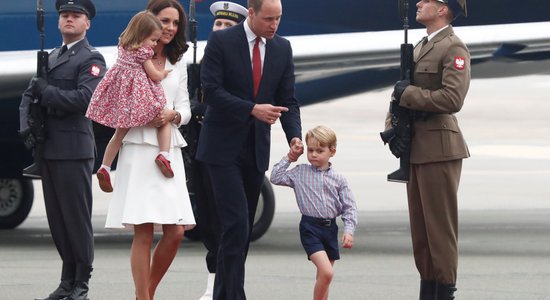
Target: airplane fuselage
(18, 18)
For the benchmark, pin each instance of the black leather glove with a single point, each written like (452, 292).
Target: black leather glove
(399, 88)
(28, 138)
(399, 145)
(38, 85)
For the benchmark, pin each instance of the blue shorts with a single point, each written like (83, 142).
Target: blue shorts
(319, 235)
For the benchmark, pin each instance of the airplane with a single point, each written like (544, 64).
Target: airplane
(340, 48)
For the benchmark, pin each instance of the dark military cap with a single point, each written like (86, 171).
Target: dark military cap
(81, 6)
(458, 7)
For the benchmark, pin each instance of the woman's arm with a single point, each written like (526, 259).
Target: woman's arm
(181, 101)
(177, 112)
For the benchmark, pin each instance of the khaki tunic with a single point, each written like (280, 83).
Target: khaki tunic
(441, 81)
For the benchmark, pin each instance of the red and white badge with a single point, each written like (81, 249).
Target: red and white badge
(460, 62)
(95, 70)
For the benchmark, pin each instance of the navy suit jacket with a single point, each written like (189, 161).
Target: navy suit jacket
(226, 77)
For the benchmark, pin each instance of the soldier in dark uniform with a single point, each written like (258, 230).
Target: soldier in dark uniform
(74, 71)
(441, 82)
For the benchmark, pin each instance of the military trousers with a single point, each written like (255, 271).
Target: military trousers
(433, 214)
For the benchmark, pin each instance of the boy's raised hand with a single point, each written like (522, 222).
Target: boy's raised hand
(296, 149)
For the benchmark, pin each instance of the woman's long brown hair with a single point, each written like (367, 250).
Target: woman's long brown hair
(175, 49)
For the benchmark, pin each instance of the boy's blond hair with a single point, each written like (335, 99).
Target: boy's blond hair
(323, 135)
(141, 26)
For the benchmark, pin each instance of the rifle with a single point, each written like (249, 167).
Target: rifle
(34, 136)
(402, 118)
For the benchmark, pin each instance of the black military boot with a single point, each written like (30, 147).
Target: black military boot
(63, 290)
(80, 288)
(80, 291)
(444, 291)
(427, 289)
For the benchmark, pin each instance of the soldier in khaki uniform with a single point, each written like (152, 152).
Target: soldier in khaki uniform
(441, 81)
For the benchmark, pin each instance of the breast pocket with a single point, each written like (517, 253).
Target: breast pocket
(427, 74)
(64, 80)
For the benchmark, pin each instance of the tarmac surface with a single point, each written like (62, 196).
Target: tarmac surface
(504, 214)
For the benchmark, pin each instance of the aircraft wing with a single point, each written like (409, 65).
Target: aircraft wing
(365, 55)
(492, 49)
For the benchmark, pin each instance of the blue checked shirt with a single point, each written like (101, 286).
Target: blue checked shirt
(319, 193)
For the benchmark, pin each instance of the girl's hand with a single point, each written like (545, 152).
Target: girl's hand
(165, 73)
(347, 240)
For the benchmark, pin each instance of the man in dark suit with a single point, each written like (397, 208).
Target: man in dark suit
(441, 82)
(69, 148)
(235, 137)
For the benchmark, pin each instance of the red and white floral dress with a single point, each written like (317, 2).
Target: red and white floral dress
(126, 97)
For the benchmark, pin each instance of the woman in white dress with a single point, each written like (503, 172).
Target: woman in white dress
(143, 199)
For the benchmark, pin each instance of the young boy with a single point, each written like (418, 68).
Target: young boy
(322, 195)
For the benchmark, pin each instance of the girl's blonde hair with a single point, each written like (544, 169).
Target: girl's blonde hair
(140, 27)
(323, 135)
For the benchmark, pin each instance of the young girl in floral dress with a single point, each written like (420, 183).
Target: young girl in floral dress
(130, 94)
